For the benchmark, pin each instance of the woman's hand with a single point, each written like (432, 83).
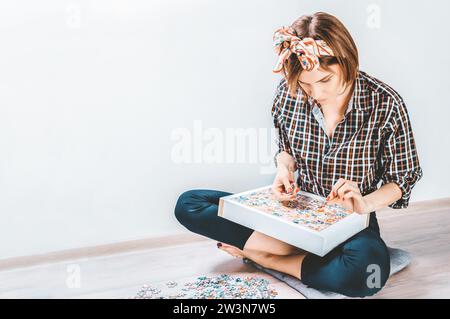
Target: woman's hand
(284, 186)
(347, 194)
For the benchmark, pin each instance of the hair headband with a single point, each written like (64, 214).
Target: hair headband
(308, 50)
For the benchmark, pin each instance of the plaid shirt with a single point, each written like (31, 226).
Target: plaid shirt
(374, 142)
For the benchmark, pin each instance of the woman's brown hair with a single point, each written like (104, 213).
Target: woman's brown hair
(328, 28)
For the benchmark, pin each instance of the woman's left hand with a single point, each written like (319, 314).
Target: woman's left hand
(347, 194)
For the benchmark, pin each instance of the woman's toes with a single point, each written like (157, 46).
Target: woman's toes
(223, 245)
(230, 249)
(233, 251)
(226, 245)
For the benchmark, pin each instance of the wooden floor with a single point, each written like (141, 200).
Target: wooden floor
(423, 230)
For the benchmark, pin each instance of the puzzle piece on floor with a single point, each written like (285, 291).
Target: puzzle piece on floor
(218, 287)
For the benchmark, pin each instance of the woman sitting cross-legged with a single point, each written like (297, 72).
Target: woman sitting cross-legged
(343, 131)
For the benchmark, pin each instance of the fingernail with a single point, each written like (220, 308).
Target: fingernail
(219, 245)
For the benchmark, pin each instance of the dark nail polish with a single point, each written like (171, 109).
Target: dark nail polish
(219, 245)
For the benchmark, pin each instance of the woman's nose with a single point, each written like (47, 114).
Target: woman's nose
(316, 94)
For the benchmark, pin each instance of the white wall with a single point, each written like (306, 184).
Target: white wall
(93, 95)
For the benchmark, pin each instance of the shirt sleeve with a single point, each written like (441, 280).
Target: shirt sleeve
(399, 157)
(281, 137)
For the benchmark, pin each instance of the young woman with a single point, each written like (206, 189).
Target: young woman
(343, 131)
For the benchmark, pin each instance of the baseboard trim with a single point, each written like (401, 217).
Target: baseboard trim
(99, 250)
(421, 207)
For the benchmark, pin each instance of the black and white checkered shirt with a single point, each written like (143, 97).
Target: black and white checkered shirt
(374, 142)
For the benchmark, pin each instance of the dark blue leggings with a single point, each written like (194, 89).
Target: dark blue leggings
(358, 267)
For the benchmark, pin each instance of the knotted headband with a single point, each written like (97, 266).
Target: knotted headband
(308, 50)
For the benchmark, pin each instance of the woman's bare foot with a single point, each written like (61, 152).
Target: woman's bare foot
(260, 257)
(232, 250)
(289, 264)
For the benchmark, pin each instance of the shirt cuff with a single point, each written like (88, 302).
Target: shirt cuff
(406, 183)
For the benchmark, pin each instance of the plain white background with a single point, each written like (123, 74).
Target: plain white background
(93, 95)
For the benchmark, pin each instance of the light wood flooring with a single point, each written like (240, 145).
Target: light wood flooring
(119, 270)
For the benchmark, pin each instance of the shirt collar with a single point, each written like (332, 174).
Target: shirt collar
(350, 105)
(361, 93)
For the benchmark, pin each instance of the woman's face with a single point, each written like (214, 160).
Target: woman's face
(323, 86)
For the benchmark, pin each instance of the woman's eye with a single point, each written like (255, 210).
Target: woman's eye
(324, 81)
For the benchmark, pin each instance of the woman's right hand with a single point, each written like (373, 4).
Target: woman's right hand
(284, 186)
